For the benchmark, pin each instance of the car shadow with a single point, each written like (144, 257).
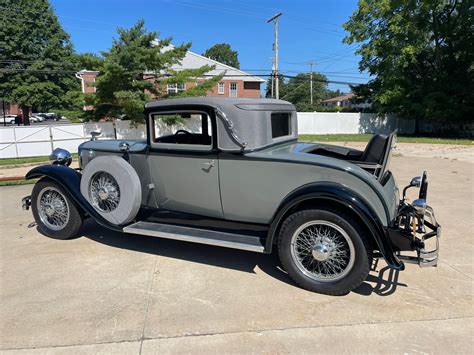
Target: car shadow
(240, 260)
(384, 283)
(234, 259)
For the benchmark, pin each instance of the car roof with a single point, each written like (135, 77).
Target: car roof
(257, 103)
(246, 120)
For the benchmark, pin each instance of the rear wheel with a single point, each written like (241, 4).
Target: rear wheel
(55, 213)
(324, 251)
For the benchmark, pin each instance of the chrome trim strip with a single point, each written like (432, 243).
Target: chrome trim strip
(367, 165)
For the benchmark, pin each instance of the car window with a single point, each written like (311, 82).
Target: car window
(281, 124)
(182, 130)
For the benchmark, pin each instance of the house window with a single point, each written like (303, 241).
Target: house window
(233, 90)
(220, 88)
(176, 88)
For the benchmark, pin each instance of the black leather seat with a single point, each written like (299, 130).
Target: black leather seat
(375, 150)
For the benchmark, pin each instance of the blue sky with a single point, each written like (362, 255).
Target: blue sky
(309, 30)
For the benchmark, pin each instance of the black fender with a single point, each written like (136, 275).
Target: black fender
(339, 194)
(70, 180)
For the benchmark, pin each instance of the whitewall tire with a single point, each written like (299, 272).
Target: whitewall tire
(111, 185)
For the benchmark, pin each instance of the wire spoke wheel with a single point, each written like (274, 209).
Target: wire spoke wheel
(104, 192)
(322, 251)
(53, 208)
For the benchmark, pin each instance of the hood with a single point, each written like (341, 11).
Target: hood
(112, 145)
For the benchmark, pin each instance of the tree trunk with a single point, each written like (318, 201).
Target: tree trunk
(26, 115)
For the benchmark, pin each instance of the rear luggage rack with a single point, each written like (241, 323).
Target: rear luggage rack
(426, 258)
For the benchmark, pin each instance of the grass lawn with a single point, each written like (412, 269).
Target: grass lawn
(366, 137)
(28, 160)
(17, 182)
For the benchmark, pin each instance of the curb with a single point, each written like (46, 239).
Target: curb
(12, 178)
(25, 165)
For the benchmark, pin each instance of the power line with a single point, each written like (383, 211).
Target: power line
(69, 72)
(261, 72)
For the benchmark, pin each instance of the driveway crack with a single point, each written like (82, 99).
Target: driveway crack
(150, 288)
(242, 332)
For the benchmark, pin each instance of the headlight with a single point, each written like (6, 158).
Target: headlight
(420, 206)
(61, 156)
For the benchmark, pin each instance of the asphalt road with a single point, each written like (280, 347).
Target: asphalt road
(110, 292)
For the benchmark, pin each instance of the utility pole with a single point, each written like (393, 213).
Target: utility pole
(273, 77)
(274, 19)
(311, 82)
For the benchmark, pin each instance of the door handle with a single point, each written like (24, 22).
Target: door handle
(210, 164)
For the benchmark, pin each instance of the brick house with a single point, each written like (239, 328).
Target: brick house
(9, 108)
(235, 83)
(87, 77)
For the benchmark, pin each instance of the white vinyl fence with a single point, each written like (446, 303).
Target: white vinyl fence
(38, 140)
(351, 123)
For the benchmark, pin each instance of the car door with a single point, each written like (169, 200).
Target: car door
(183, 165)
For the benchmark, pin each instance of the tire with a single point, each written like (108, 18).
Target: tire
(12, 122)
(308, 243)
(56, 215)
(111, 185)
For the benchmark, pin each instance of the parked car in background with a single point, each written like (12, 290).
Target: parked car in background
(231, 173)
(40, 116)
(9, 119)
(51, 116)
(36, 119)
(44, 115)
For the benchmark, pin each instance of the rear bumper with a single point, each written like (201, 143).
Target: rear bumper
(418, 233)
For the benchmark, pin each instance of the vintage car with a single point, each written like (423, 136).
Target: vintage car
(230, 172)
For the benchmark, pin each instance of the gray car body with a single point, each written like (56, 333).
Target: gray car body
(245, 183)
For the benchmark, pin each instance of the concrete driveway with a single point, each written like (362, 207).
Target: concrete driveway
(115, 293)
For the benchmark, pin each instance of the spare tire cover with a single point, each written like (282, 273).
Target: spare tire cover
(111, 185)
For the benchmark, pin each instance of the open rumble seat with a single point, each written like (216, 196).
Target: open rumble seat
(371, 159)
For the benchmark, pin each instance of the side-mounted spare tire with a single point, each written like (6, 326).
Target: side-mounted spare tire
(111, 185)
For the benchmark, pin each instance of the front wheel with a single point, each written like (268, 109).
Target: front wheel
(55, 213)
(324, 251)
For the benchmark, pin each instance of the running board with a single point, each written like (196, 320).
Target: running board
(195, 235)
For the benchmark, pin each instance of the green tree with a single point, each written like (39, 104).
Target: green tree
(36, 67)
(89, 61)
(136, 68)
(298, 91)
(223, 53)
(421, 54)
(281, 86)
